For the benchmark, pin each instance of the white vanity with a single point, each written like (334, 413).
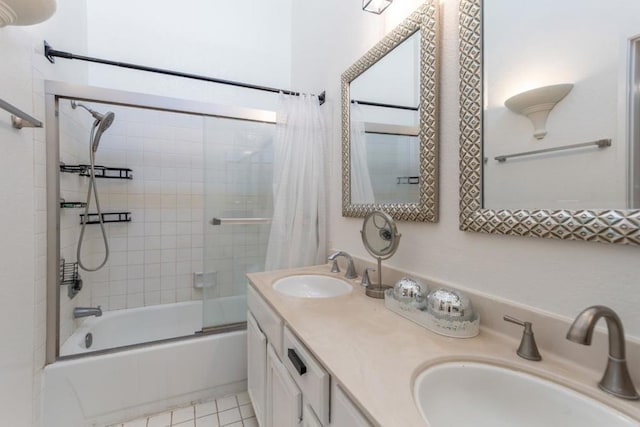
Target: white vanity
(287, 384)
(361, 363)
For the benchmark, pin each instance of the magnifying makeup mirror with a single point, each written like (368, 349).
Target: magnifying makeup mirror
(381, 238)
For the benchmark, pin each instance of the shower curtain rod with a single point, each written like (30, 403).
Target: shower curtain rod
(51, 53)
(378, 104)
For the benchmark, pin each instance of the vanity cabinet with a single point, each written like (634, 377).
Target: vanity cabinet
(287, 385)
(308, 374)
(264, 342)
(343, 411)
(284, 398)
(257, 368)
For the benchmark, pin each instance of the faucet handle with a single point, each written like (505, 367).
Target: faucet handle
(528, 348)
(366, 281)
(335, 268)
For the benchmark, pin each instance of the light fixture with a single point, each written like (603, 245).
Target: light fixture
(25, 12)
(537, 103)
(375, 6)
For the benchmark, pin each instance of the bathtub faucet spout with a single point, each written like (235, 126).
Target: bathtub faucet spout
(86, 312)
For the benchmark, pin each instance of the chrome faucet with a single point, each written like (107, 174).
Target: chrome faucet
(616, 379)
(351, 268)
(79, 312)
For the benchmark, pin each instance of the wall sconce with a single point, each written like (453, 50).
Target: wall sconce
(537, 103)
(375, 6)
(25, 12)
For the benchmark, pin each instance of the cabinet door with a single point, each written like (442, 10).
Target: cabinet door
(257, 368)
(284, 399)
(344, 412)
(309, 418)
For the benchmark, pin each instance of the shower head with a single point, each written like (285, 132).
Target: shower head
(102, 123)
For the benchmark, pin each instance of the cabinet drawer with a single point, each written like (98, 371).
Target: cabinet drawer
(269, 322)
(310, 376)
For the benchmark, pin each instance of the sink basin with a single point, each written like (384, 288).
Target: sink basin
(476, 394)
(312, 286)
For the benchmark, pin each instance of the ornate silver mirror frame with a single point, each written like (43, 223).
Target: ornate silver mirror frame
(425, 19)
(610, 226)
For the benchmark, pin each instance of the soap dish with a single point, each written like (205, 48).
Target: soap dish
(467, 326)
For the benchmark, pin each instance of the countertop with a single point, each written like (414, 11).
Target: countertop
(376, 354)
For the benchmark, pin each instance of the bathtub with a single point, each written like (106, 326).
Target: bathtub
(114, 386)
(120, 328)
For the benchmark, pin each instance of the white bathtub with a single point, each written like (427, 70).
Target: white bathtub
(120, 328)
(106, 388)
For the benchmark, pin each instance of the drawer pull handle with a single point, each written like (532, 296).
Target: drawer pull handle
(297, 362)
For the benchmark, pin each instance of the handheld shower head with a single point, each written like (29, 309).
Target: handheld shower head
(102, 123)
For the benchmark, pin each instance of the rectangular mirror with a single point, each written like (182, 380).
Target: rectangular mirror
(390, 124)
(548, 128)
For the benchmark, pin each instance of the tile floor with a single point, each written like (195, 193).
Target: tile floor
(230, 411)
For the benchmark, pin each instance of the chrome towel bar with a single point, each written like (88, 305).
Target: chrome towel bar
(601, 143)
(239, 221)
(20, 119)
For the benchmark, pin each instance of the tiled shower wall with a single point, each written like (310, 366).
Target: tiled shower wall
(74, 149)
(238, 183)
(152, 257)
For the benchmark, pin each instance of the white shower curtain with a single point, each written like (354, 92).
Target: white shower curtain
(298, 227)
(361, 189)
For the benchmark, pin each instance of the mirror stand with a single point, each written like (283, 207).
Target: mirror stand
(377, 290)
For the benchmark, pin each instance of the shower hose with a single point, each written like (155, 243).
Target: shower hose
(85, 218)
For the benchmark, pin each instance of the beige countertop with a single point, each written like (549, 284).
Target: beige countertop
(376, 354)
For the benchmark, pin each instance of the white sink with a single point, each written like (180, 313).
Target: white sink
(459, 394)
(312, 286)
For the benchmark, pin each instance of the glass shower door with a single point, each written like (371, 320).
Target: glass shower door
(238, 207)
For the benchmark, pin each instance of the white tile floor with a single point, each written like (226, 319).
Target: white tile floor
(230, 411)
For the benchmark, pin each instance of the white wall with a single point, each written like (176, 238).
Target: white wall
(17, 296)
(556, 276)
(243, 40)
(23, 70)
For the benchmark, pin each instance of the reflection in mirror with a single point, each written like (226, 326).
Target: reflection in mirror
(580, 157)
(568, 175)
(389, 123)
(384, 128)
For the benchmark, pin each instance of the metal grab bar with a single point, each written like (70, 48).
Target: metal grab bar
(20, 119)
(239, 221)
(601, 143)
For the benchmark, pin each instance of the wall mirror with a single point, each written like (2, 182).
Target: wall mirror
(547, 119)
(390, 124)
